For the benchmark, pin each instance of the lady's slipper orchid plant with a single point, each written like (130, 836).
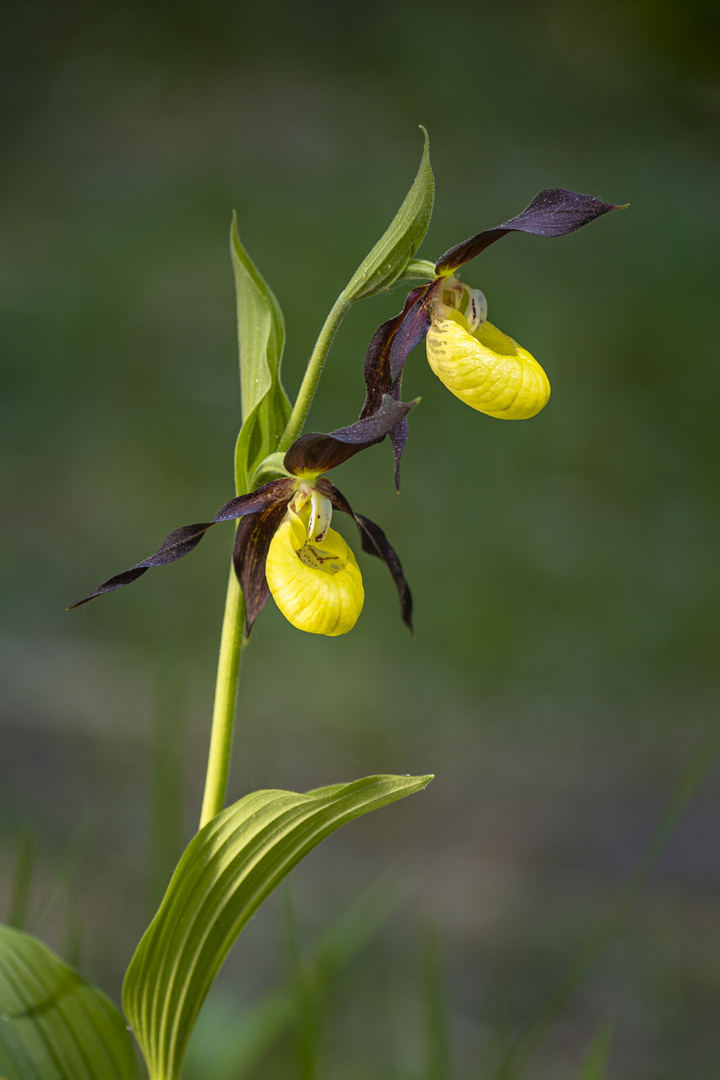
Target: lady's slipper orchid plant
(284, 545)
(285, 548)
(477, 362)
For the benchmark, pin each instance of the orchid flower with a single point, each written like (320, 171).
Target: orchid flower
(284, 545)
(477, 362)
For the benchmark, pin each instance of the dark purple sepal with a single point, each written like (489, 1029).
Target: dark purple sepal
(182, 541)
(389, 348)
(315, 453)
(377, 370)
(176, 544)
(274, 491)
(252, 541)
(411, 330)
(398, 439)
(554, 212)
(374, 542)
(410, 333)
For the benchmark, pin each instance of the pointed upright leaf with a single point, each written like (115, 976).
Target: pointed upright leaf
(227, 871)
(390, 257)
(261, 338)
(53, 1023)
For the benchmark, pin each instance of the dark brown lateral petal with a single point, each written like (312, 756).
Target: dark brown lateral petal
(378, 377)
(411, 331)
(554, 212)
(389, 348)
(398, 439)
(315, 453)
(252, 541)
(176, 544)
(275, 491)
(182, 541)
(374, 542)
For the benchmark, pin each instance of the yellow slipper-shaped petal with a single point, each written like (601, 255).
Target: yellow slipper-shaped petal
(486, 369)
(317, 585)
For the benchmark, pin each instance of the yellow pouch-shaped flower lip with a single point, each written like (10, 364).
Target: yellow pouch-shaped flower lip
(486, 369)
(317, 585)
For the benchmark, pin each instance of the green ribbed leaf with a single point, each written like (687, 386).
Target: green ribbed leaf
(390, 257)
(54, 1025)
(261, 339)
(227, 871)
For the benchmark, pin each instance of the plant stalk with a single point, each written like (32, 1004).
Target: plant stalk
(316, 363)
(226, 685)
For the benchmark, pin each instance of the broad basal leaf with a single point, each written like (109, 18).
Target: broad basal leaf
(389, 259)
(261, 338)
(227, 871)
(54, 1025)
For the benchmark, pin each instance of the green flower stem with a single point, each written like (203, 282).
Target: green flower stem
(314, 370)
(221, 734)
(231, 639)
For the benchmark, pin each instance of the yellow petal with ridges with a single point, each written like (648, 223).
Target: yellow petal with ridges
(317, 586)
(487, 369)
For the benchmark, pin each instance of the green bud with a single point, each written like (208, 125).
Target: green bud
(271, 468)
(418, 270)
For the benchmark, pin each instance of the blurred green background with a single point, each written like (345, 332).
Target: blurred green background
(565, 570)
